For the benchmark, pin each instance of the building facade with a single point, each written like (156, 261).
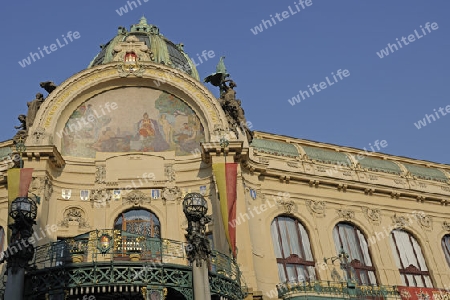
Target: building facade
(116, 147)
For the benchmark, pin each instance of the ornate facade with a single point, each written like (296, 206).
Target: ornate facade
(116, 147)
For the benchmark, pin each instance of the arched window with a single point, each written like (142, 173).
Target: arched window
(293, 250)
(446, 247)
(139, 221)
(410, 260)
(350, 238)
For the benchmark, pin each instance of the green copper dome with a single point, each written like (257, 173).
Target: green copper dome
(162, 50)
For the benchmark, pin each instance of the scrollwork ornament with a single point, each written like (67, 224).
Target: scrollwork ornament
(316, 208)
(136, 197)
(373, 215)
(425, 221)
(400, 221)
(171, 193)
(100, 174)
(346, 214)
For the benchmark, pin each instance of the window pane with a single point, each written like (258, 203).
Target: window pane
(290, 237)
(407, 251)
(446, 247)
(355, 245)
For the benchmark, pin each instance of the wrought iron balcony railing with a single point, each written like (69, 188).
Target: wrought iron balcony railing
(117, 245)
(334, 289)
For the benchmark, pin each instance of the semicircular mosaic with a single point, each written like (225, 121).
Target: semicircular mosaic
(132, 119)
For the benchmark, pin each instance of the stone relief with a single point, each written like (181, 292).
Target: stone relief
(400, 221)
(287, 205)
(100, 174)
(169, 172)
(446, 225)
(425, 221)
(136, 197)
(171, 194)
(316, 208)
(74, 216)
(346, 214)
(100, 198)
(373, 215)
(38, 135)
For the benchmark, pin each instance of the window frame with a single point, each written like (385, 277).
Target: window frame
(358, 266)
(411, 269)
(294, 259)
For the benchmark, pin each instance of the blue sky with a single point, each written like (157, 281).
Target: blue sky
(381, 99)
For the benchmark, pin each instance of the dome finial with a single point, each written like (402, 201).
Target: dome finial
(143, 21)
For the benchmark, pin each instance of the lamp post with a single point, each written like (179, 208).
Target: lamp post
(199, 248)
(19, 251)
(343, 258)
(20, 147)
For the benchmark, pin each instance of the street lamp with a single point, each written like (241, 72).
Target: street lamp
(343, 258)
(19, 251)
(198, 250)
(20, 147)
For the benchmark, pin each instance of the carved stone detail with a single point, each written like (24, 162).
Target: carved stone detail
(316, 208)
(100, 198)
(446, 225)
(346, 214)
(136, 197)
(373, 215)
(100, 174)
(293, 164)
(38, 135)
(287, 205)
(74, 216)
(264, 160)
(425, 221)
(171, 193)
(169, 172)
(400, 221)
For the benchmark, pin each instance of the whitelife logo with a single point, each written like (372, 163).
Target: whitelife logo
(53, 47)
(411, 38)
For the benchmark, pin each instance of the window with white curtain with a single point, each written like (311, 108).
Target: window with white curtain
(292, 250)
(446, 247)
(348, 237)
(410, 260)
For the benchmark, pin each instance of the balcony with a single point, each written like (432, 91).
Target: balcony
(107, 263)
(335, 290)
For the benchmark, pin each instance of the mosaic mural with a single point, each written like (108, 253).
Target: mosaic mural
(131, 119)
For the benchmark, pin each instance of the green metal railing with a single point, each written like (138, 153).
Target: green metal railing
(340, 290)
(115, 257)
